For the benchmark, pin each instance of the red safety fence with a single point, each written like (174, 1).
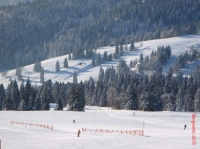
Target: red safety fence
(32, 125)
(131, 132)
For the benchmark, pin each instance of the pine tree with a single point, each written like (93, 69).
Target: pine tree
(131, 99)
(2, 96)
(59, 103)
(141, 58)
(93, 60)
(38, 103)
(37, 67)
(15, 98)
(22, 104)
(55, 91)
(132, 46)
(19, 73)
(42, 75)
(45, 98)
(76, 97)
(105, 56)
(121, 50)
(65, 63)
(117, 48)
(27, 91)
(64, 94)
(69, 57)
(89, 90)
(72, 99)
(31, 104)
(101, 75)
(110, 58)
(81, 96)
(122, 68)
(57, 69)
(181, 98)
(114, 56)
(75, 80)
(197, 101)
(7, 105)
(98, 62)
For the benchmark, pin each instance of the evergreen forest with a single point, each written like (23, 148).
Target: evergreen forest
(33, 31)
(41, 29)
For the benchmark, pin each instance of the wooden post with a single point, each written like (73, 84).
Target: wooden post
(143, 127)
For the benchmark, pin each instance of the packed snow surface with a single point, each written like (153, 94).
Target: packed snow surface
(162, 130)
(86, 70)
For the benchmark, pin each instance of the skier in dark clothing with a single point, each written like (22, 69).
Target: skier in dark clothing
(79, 132)
(73, 121)
(185, 126)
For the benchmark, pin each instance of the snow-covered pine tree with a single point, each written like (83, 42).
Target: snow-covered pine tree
(131, 98)
(15, 98)
(72, 96)
(55, 91)
(181, 98)
(27, 92)
(59, 103)
(101, 75)
(22, 104)
(81, 93)
(31, 103)
(38, 103)
(98, 62)
(65, 65)
(105, 56)
(45, 98)
(197, 101)
(7, 105)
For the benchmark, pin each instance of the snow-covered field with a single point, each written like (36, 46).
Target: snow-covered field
(162, 130)
(85, 71)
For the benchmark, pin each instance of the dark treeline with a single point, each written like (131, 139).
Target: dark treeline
(34, 31)
(119, 89)
(29, 98)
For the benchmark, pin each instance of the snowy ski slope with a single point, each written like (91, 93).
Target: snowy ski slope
(162, 130)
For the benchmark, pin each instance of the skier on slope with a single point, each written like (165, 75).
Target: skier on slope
(79, 132)
(185, 126)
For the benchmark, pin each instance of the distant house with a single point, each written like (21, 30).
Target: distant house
(138, 66)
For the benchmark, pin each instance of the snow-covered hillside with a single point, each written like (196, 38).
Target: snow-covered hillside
(162, 130)
(85, 71)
